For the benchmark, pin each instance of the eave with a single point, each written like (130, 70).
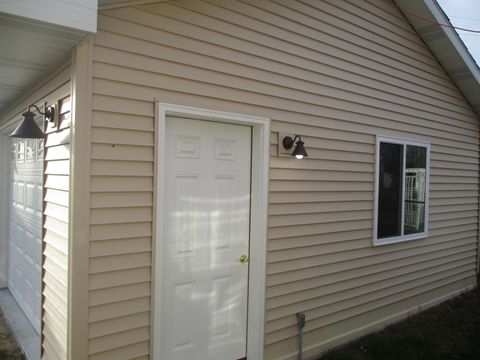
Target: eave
(36, 39)
(446, 45)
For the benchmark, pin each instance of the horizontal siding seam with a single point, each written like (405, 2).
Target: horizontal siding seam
(459, 263)
(330, 34)
(344, 243)
(106, 352)
(305, 69)
(457, 257)
(299, 99)
(404, 253)
(280, 49)
(422, 286)
(118, 332)
(347, 120)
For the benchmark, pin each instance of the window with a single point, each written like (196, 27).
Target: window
(401, 198)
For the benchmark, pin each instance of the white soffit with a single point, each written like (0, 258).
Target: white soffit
(74, 14)
(446, 45)
(36, 36)
(31, 50)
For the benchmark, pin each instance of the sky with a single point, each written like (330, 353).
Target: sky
(465, 14)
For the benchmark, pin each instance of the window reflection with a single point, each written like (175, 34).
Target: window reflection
(415, 174)
(30, 150)
(390, 190)
(402, 184)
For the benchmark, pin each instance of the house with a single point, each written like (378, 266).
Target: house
(161, 216)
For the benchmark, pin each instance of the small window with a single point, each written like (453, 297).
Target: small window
(401, 198)
(20, 151)
(13, 150)
(30, 147)
(39, 151)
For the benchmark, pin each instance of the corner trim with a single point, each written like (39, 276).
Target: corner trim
(79, 215)
(4, 192)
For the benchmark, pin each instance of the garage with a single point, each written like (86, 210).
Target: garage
(24, 232)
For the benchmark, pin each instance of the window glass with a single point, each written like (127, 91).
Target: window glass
(415, 176)
(402, 190)
(39, 150)
(21, 151)
(390, 190)
(30, 150)
(13, 150)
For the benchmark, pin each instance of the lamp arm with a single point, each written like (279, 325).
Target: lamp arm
(49, 113)
(36, 107)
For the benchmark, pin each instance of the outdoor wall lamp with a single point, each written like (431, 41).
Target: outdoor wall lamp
(28, 128)
(299, 152)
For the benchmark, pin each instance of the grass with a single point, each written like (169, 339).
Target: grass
(448, 331)
(9, 349)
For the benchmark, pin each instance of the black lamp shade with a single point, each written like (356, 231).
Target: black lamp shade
(28, 128)
(299, 152)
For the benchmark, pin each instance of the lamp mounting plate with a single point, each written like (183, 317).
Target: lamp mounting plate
(51, 115)
(282, 151)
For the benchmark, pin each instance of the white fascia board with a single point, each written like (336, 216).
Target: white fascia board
(455, 40)
(446, 45)
(80, 15)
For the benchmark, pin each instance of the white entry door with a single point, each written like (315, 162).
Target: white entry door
(206, 232)
(25, 226)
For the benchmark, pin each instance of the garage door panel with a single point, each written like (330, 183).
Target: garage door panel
(20, 200)
(30, 203)
(25, 227)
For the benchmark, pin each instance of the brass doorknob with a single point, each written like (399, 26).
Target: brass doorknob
(244, 259)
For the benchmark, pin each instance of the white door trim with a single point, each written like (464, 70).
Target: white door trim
(258, 226)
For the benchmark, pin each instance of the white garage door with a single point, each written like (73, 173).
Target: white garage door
(25, 226)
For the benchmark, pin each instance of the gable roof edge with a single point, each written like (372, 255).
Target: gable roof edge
(446, 45)
(115, 4)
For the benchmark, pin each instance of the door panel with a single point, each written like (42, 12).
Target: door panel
(207, 220)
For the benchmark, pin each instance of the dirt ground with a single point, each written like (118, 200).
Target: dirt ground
(9, 349)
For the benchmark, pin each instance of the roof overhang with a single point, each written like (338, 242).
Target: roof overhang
(37, 38)
(446, 45)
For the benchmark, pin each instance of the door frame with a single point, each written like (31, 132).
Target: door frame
(258, 226)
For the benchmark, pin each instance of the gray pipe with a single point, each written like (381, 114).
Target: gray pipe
(300, 325)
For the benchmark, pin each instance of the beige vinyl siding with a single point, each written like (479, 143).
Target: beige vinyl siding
(337, 73)
(121, 230)
(56, 235)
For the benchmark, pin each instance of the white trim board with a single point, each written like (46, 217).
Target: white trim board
(258, 227)
(400, 238)
(4, 199)
(5, 130)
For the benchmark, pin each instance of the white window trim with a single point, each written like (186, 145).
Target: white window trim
(258, 227)
(402, 238)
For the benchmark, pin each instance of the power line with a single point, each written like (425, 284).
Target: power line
(394, 4)
(465, 18)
